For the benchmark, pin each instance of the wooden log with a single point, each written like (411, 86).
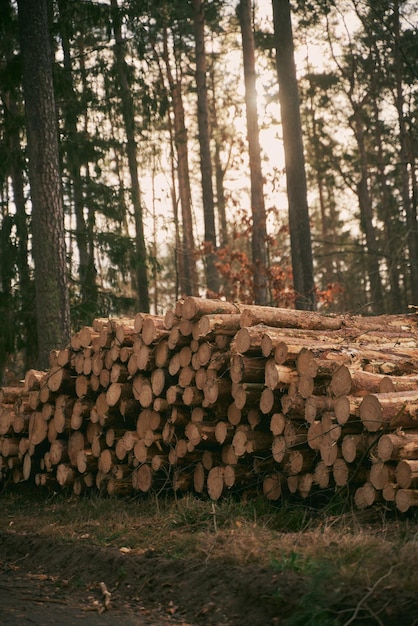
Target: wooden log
(171, 316)
(365, 496)
(186, 376)
(272, 486)
(398, 445)
(215, 482)
(270, 401)
(248, 441)
(199, 478)
(287, 318)
(58, 452)
(277, 423)
(11, 394)
(224, 433)
(106, 460)
(217, 390)
(356, 447)
(248, 340)
(244, 368)
(299, 461)
(247, 394)
(216, 324)
(153, 330)
(76, 442)
(7, 416)
(145, 359)
(381, 474)
(407, 474)
(405, 499)
(118, 392)
(34, 379)
(193, 308)
(60, 379)
(329, 450)
(316, 405)
(38, 428)
(389, 492)
(347, 408)
(315, 435)
(322, 475)
(185, 327)
(393, 410)
(304, 484)
(278, 376)
(86, 461)
(161, 353)
(65, 475)
(10, 446)
(278, 448)
(330, 426)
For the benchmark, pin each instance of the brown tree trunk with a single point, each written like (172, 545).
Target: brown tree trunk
(212, 278)
(188, 278)
(259, 232)
(48, 244)
(128, 112)
(300, 235)
(87, 270)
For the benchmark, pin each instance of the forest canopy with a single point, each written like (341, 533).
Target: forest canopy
(171, 175)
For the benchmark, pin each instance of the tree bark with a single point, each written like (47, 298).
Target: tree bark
(300, 235)
(259, 232)
(128, 112)
(52, 300)
(188, 275)
(210, 245)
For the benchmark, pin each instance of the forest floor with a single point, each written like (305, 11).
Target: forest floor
(188, 562)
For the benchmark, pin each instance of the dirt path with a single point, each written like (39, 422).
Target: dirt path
(28, 601)
(43, 580)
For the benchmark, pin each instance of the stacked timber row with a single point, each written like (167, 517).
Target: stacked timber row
(216, 397)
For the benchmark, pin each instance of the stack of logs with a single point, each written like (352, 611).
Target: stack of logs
(215, 397)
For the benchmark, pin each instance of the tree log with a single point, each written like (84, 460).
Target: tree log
(398, 445)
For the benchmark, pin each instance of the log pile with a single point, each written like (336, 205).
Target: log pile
(215, 397)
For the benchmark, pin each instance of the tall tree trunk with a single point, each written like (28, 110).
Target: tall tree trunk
(128, 112)
(52, 301)
(406, 167)
(85, 245)
(390, 219)
(212, 277)
(300, 233)
(259, 233)
(26, 285)
(366, 218)
(188, 277)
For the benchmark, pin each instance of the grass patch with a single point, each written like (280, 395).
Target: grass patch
(290, 535)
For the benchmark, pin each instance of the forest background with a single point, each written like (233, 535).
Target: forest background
(144, 156)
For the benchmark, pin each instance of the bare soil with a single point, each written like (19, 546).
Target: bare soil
(46, 580)
(49, 578)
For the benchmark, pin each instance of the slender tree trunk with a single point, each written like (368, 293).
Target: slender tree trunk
(300, 233)
(128, 112)
(406, 167)
(26, 285)
(259, 233)
(188, 277)
(85, 245)
(48, 242)
(366, 219)
(390, 220)
(212, 277)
